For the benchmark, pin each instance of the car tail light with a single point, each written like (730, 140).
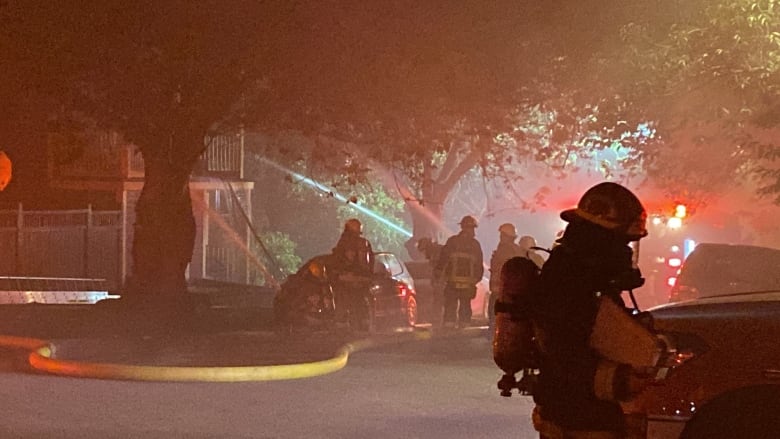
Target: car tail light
(403, 290)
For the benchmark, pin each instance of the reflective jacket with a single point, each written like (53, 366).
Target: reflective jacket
(460, 264)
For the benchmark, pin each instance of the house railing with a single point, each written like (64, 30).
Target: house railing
(86, 244)
(99, 159)
(106, 156)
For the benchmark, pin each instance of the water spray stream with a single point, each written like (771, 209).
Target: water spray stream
(321, 187)
(406, 192)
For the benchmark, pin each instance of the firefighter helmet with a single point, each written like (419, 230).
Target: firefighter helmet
(527, 242)
(508, 230)
(468, 222)
(353, 225)
(317, 270)
(423, 244)
(612, 207)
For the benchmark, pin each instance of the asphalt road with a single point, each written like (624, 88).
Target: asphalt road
(439, 388)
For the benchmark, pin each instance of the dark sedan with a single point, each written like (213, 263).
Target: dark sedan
(308, 297)
(728, 382)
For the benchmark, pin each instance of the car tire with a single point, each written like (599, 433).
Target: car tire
(411, 311)
(749, 413)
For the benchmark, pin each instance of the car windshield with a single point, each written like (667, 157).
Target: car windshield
(728, 269)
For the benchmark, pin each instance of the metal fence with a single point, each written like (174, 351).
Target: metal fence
(72, 243)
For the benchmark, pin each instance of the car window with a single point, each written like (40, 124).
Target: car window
(724, 269)
(392, 263)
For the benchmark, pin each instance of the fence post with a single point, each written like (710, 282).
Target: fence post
(87, 229)
(241, 154)
(123, 241)
(19, 239)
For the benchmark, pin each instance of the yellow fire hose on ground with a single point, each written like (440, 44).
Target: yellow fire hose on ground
(41, 359)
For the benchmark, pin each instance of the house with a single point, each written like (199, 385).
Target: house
(107, 167)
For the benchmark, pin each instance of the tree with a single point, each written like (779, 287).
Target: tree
(707, 77)
(165, 75)
(421, 90)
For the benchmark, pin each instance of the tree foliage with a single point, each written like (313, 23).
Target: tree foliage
(707, 76)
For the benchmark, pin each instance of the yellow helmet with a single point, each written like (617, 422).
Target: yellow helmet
(317, 270)
(612, 207)
(468, 222)
(508, 230)
(353, 225)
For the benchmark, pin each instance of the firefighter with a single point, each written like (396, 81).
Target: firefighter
(460, 269)
(527, 244)
(430, 249)
(353, 265)
(506, 250)
(579, 392)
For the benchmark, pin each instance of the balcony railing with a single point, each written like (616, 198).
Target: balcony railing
(98, 159)
(107, 157)
(224, 157)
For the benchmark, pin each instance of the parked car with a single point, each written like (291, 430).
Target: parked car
(728, 382)
(307, 297)
(393, 291)
(719, 269)
(431, 305)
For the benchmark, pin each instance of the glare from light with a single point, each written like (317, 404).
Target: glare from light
(674, 223)
(688, 246)
(674, 262)
(671, 281)
(675, 248)
(657, 220)
(680, 211)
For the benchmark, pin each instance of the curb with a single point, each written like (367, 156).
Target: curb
(40, 359)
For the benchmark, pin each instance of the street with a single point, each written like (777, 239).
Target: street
(439, 388)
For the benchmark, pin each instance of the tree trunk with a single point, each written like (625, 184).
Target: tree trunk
(164, 230)
(427, 217)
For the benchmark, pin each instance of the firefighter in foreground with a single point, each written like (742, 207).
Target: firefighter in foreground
(353, 265)
(579, 390)
(460, 269)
